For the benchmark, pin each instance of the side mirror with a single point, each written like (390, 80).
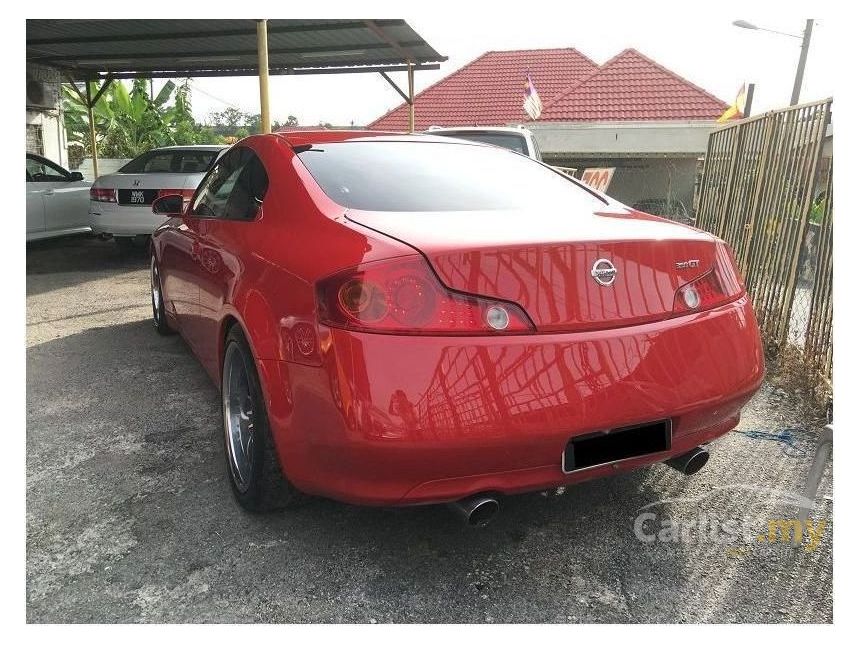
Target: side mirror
(168, 205)
(75, 176)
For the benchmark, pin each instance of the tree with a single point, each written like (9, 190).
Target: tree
(233, 122)
(130, 123)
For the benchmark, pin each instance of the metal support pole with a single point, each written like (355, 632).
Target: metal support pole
(801, 63)
(263, 63)
(90, 104)
(748, 104)
(410, 72)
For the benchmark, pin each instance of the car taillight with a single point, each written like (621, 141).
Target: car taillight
(103, 194)
(404, 296)
(187, 193)
(718, 286)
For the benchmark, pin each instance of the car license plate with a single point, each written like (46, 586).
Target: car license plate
(600, 448)
(136, 196)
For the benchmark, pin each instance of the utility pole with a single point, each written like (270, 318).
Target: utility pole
(801, 63)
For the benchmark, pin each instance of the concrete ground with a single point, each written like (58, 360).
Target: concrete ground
(130, 517)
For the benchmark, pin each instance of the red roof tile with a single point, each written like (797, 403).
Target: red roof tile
(489, 90)
(632, 87)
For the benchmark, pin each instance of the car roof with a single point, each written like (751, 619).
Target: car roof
(192, 148)
(489, 128)
(310, 137)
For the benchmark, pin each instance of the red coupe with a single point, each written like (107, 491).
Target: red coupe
(404, 319)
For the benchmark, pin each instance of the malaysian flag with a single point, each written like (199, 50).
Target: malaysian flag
(532, 103)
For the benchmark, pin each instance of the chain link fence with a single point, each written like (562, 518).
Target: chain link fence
(767, 189)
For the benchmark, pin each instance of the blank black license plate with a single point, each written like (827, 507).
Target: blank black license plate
(601, 448)
(136, 197)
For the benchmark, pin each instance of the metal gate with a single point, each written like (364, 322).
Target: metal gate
(766, 189)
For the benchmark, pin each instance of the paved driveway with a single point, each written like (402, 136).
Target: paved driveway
(130, 517)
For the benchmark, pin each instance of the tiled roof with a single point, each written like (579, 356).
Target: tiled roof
(632, 87)
(489, 90)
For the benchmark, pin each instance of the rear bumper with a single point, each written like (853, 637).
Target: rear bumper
(119, 220)
(408, 420)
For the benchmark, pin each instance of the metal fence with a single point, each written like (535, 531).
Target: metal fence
(766, 189)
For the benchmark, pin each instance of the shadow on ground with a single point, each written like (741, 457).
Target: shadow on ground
(69, 261)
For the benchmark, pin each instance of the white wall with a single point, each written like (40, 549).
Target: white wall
(49, 116)
(106, 167)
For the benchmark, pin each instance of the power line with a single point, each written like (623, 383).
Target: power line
(217, 98)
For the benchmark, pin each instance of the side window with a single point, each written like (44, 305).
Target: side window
(248, 191)
(211, 199)
(43, 170)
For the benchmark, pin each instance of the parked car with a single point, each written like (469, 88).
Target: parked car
(672, 209)
(518, 139)
(121, 202)
(396, 319)
(57, 200)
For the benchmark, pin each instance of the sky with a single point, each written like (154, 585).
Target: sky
(701, 46)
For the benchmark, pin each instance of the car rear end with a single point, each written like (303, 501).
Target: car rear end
(121, 203)
(541, 340)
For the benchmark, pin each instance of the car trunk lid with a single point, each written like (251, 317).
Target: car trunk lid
(558, 268)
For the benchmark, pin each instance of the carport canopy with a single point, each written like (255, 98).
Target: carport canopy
(104, 50)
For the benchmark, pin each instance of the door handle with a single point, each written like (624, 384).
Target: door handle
(49, 191)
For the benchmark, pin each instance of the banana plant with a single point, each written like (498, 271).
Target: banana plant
(129, 123)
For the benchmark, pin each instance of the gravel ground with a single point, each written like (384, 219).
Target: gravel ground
(130, 517)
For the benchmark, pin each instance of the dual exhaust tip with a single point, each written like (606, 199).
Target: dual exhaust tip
(690, 462)
(479, 510)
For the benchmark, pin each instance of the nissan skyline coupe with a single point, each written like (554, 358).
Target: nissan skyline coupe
(399, 319)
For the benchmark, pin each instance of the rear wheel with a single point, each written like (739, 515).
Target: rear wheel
(255, 473)
(158, 317)
(124, 243)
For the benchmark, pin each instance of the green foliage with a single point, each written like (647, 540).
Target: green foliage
(129, 123)
(235, 123)
(816, 211)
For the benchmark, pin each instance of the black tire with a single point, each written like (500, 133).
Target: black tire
(264, 488)
(124, 243)
(159, 319)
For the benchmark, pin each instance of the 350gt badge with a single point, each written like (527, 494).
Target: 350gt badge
(687, 264)
(604, 272)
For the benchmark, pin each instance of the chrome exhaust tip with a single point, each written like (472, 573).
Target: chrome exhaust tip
(690, 462)
(477, 511)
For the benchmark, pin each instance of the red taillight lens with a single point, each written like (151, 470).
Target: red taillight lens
(718, 286)
(187, 193)
(103, 194)
(404, 296)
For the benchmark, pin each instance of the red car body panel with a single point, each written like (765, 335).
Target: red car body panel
(379, 418)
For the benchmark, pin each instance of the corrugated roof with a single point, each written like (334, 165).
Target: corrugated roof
(193, 47)
(489, 90)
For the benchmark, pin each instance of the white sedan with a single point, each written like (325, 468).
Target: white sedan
(57, 200)
(121, 203)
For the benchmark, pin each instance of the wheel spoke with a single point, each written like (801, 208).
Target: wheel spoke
(238, 417)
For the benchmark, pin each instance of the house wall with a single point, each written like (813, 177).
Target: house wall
(652, 159)
(46, 134)
(638, 179)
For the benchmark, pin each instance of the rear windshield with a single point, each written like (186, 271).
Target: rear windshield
(425, 176)
(171, 161)
(514, 142)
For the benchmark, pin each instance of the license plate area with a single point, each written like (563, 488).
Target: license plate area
(136, 196)
(601, 448)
